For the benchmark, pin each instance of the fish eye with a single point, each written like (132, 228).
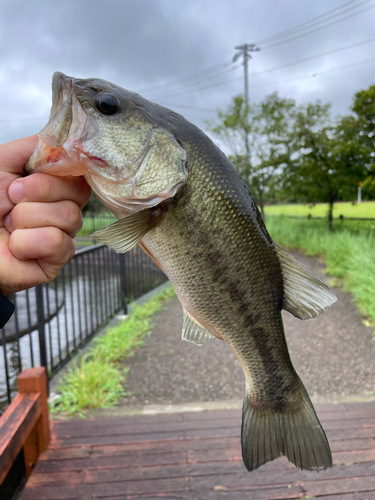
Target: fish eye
(108, 104)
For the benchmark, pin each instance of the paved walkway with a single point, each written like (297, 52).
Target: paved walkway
(334, 355)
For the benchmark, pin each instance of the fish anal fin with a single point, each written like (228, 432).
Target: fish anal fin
(124, 234)
(193, 331)
(305, 294)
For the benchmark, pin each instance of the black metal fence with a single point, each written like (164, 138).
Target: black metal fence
(53, 320)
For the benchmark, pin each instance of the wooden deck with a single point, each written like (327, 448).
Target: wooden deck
(197, 456)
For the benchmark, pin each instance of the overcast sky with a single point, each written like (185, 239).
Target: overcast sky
(178, 52)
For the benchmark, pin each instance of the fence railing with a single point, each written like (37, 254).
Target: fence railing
(53, 320)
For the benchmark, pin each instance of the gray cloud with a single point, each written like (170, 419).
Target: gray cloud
(150, 45)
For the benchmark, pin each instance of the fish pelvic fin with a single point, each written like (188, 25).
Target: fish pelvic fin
(295, 432)
(124, 234)
(305, 294)
(193, 331)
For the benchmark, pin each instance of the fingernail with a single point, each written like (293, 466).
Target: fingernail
(16, 191)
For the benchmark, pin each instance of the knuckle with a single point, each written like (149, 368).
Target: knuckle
(17, 217)
(38, 186)
(57, 239)
(84, 192)
(72, 215)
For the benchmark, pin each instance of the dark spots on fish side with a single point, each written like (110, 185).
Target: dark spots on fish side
(242, 309)
(275, 386)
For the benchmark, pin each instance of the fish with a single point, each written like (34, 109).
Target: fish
(177, 196)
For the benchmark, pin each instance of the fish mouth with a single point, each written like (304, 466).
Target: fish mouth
(59, 149)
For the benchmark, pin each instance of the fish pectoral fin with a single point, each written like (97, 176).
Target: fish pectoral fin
(305, 294)
(125, 233)
(193, 331)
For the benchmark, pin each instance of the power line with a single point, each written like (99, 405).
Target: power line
(269, 70)
(196, 82)
(222, 68)
(198, 75)
(316, 56)
(313, 75)
(281, 42)
(205, 110)
(317, 74)
(300, 26)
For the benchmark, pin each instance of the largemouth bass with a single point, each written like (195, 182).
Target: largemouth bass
(179, 197)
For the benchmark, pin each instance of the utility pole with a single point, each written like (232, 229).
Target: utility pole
(245, 51)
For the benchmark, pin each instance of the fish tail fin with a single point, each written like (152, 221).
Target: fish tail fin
(295, 432)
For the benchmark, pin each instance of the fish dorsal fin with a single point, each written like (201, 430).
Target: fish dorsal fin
(125, 233)
(193, 331)
(305, 294)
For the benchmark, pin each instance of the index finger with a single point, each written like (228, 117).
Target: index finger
(15, 154)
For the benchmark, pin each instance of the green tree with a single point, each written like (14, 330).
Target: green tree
(363, 132)
(325, 166)
(268, 127)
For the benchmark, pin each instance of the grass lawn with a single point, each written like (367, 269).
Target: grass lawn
(91, 224)
(347, 209)
(349, 255)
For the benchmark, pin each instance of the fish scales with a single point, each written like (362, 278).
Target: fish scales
(218, 276)
(178, 196)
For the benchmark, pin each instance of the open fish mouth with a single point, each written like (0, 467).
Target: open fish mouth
(60, 149)
(106, 134)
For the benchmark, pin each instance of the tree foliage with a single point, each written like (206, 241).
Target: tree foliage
(326, 165)
(268, 126)
(301, 150)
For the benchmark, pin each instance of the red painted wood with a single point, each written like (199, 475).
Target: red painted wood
(16, 424)
(35, 380)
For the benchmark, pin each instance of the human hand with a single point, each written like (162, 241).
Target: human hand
(39, 216)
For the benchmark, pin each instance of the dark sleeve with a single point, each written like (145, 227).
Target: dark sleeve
(6, 310)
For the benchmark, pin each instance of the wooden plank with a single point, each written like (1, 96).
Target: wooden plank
(164, 488)
(365, 495)
(215, 418)
(35, 380)
(33, 446)
(133, 459)
(354, 432)
(338, 486)
(342, 444)
(15, 426)
(259, 478)
(78, 458)
(309, 488)
(221, 493)
(157, 436)
(197, 458)
(69, 491)
(108, 428)
(350, 433)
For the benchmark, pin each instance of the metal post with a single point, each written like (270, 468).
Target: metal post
(123, 290)
(41, 325)
(244, 51)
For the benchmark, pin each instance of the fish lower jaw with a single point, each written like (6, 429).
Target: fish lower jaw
(59, 161)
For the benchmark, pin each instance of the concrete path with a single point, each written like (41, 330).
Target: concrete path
(334, 355)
